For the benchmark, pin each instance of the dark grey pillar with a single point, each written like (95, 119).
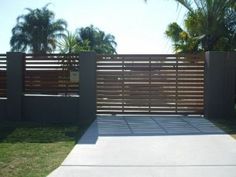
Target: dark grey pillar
(87, 84)
(15, 76)
(219, 84)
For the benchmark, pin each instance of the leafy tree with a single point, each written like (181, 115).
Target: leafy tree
(70, 44)
(182, 41)
(37, 31)
(173, 31)
(98, 41)
(212, 22)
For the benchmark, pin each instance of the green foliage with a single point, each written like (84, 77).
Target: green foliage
(37, 31)
(210, 24)
(70, 44)
(173, 32)
(88, 39)
(192, 24)
(99, 41)
(30, 149)
(182, 41)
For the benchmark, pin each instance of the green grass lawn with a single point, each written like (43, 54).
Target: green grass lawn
(228, 125)
(33, 149)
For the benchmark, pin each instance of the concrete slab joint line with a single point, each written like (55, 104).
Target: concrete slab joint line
(151, 147)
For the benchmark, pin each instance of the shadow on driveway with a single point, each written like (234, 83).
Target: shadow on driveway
(148, 126)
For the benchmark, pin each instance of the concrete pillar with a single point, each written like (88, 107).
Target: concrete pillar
(15, 78)
(219, 84)
(87, 87)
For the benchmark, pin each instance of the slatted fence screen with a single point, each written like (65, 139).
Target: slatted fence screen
(158, 84)
(3, 69)
(50, 74)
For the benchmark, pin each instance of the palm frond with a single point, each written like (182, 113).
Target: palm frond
(37, 31)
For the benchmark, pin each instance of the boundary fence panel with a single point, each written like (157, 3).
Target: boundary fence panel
(51, 74)
(3, 75)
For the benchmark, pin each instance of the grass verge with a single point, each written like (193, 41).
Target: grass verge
(33, 149)
(228, 125)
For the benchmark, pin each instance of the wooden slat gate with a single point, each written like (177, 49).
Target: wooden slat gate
(158, 84)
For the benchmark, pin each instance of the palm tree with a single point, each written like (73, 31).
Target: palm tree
(182, 41)
(105, 43)
(98, 41)
(211, 22)
(37, 31)
(88, 33)
(70, 44)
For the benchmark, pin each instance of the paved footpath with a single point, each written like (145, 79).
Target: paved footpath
(151, 147)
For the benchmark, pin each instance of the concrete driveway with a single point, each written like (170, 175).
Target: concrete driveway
(151, 147)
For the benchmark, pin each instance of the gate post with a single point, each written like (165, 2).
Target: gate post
(220, 84)
(87, 87)
(15, 79)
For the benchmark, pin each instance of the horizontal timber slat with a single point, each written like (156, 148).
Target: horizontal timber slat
(3, 75)
(150, 83)
(50, 74)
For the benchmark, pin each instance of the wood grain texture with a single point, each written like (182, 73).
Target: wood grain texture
(150, 84)
(50, 74)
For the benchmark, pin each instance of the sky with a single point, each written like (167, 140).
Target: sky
(138, 27)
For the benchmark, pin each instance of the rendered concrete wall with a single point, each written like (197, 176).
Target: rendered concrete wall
(15, 76)
(220, 84)
(87, 87)
(51, 108)
(3, 109)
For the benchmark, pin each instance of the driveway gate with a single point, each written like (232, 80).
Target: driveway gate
(158, 84)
